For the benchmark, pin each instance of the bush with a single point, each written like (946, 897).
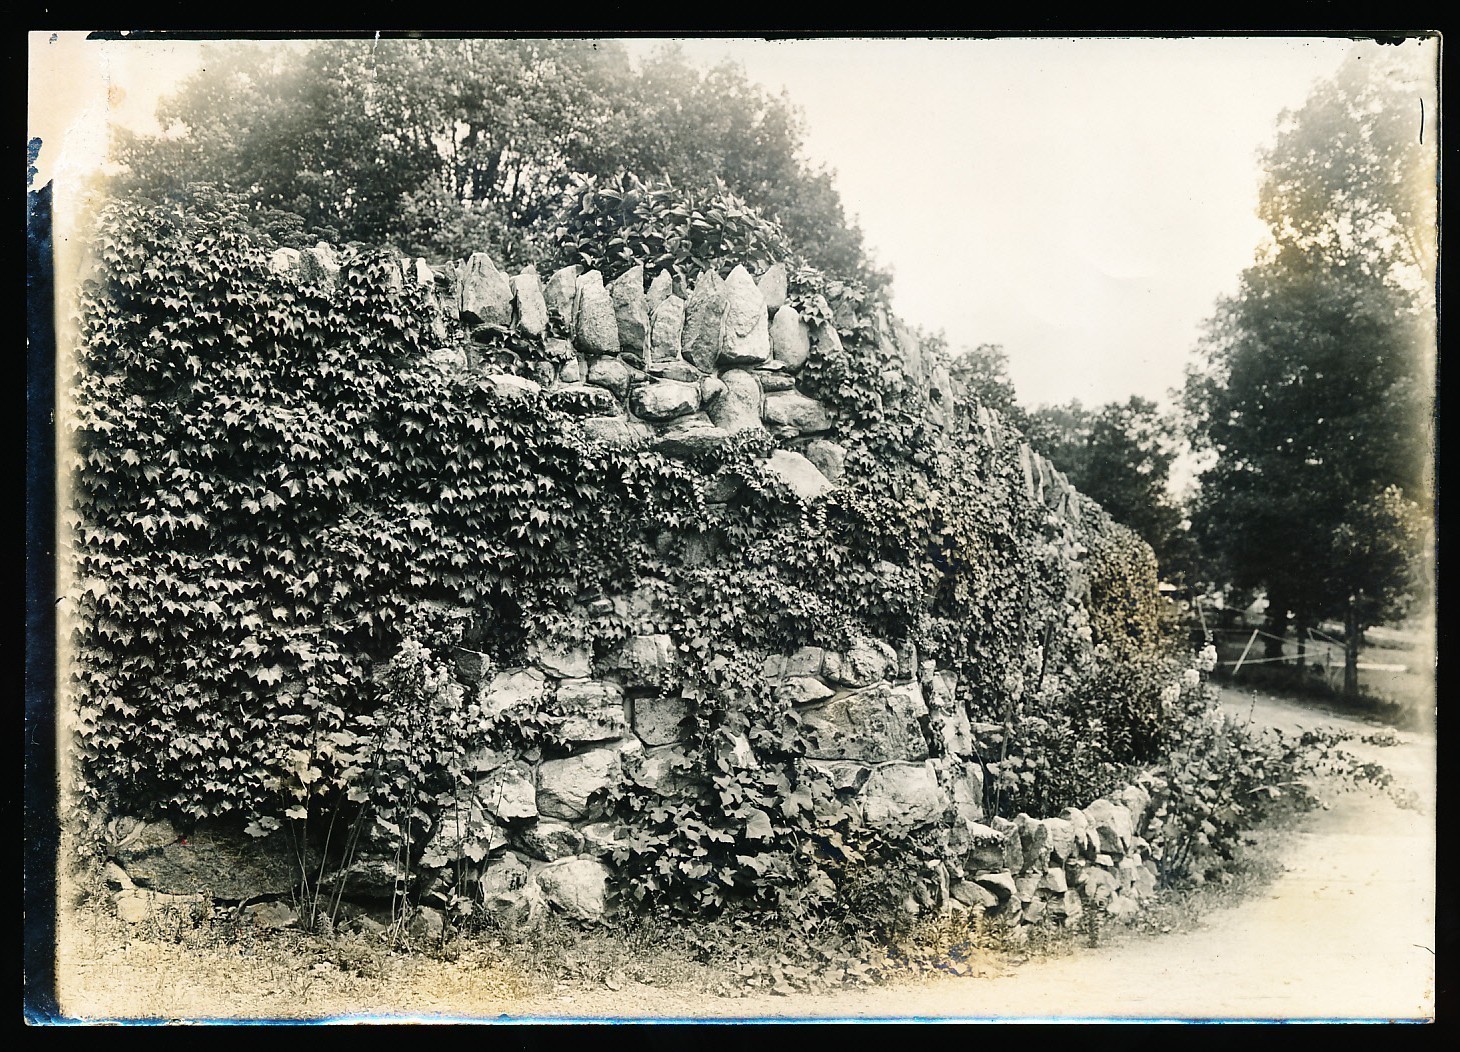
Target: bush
(1223, 777)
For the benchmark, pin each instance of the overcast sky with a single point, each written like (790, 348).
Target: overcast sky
(1082, 202)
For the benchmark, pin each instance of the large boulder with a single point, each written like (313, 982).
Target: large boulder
(973, 895)
(1061, 838)
(509, 792)
(214, 860)
(962, 781)
(512, 687)
(660, 289)
(798, 473)
(803, 690)
(1013, 846)
(824, 336)
(648, 661)
(805, 661)
(744, 335)
(772, 285)
(829, 457)
(558, 659)
(319, 265)
(518, 912)
(572, 787)
(483, 293)
(505, 872)
(532, 315)
(949, 718)
(738, 408)
(611, 374)
(666, 331)
(1034, 841)
(1137, 801)
(790, 338)
(271, 916)
(371, 875)
(617, 431)
(899, 797)
(285, 262)
(678, 369)
(874, 725)
(561, 295)
(773, 377)
(517, 388)
(630, 308)
(793, 409)
(1001, 884)
(1086, 842)
(660, 719)
(548, 839)
(1112, 825)
(576, 886)
(689, 436)
(664, 400)
(595, 325)
(593, 710)
(985, 847)
(863, 663)
(702, 316)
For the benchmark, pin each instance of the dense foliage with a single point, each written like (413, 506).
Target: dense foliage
(270, 477)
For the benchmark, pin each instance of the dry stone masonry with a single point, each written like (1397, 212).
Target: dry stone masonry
(678, 370)
(681, 370)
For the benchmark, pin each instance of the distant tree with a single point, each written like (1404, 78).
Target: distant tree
(984, 373)
(1062, 433)
(1315, 385)
(1120, 455)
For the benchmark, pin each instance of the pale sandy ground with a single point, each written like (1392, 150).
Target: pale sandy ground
(1347, 932)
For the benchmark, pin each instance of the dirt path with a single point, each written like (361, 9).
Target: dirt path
(1347, 932)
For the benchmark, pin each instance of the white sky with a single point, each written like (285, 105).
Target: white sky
(1082, 202)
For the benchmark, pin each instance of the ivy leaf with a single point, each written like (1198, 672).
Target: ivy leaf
(758, 826)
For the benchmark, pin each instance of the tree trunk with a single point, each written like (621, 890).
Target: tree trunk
(1301, 631)
(1351, 650)
(1277, 627)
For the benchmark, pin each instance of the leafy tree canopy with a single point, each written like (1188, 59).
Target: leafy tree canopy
(1315, 384)
(444, 147)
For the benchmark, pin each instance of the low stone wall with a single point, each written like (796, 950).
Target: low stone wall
(888, 734)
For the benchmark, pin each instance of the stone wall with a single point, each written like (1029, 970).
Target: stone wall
(680, 370)
(655, 365)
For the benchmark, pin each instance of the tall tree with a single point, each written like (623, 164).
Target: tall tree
(448, 146)
(1314, 390)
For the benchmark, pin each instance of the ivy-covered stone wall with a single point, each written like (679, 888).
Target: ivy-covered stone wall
(518, 591)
